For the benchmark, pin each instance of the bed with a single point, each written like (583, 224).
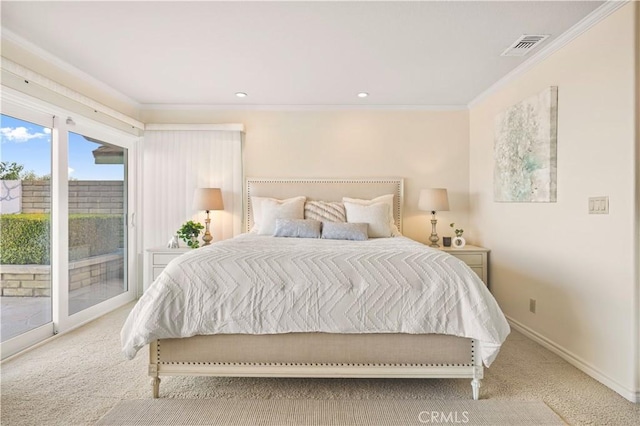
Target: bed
(286, 332)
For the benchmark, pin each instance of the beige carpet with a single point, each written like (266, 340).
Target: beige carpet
(76, 378)
(294, 412)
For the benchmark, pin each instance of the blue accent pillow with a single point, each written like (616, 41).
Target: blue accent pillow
(297, 228)
(345, 231)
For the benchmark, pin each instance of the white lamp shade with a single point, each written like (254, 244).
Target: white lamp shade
(208, 199)
(434, 200)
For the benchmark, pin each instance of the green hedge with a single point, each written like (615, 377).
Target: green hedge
(25, 238)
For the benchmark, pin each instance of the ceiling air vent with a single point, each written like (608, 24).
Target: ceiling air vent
(524, 44)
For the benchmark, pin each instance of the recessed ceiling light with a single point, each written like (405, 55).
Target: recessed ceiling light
(363, 94)
(241, 94)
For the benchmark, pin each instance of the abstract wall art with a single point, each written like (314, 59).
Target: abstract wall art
(525, 157)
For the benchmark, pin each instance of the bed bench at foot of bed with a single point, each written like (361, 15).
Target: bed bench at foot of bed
(317, 355)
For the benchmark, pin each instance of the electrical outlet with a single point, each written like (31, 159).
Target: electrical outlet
(532, 306)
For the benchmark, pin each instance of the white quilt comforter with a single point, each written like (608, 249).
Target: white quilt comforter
(265, 285)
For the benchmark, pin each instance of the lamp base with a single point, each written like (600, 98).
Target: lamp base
(207, 237)
(434, 235)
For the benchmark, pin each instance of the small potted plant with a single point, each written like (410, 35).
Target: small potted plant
(458, 241)
(189, 233)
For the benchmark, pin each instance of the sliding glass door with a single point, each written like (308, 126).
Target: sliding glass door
(25, 226)
(97, 221)
(66, 234)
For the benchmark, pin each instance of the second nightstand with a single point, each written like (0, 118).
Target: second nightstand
(474, 256)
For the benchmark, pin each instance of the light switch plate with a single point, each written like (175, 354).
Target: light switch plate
(598, 205)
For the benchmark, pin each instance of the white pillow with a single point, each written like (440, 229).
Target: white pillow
(267, 210)
(385, 199)
(325, 211)
(375, 215)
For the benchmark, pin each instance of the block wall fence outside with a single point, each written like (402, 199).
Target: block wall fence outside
(35, 280)
(85, 196)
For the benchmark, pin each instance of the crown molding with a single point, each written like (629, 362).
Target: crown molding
(558, 43)
(258, 107)
(67, 67)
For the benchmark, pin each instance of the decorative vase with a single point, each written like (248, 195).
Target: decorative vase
(458, 242)
(174, 242)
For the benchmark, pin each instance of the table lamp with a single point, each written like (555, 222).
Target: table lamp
(207, 199)
(433, 199)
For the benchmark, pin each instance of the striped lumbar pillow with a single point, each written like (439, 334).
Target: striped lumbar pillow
(325, 211)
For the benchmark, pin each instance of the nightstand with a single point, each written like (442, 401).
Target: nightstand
(157, 259)
(474, 256)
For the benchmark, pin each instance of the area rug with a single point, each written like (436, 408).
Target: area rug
(295, 412)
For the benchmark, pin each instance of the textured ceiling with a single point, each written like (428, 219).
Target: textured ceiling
(291, 53)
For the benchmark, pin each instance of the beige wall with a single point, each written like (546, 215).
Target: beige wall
(580, 268)
(428, 149)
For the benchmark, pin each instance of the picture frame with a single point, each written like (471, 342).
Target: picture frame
(525, 150)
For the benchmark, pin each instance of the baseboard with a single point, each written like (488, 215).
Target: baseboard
(576, 361)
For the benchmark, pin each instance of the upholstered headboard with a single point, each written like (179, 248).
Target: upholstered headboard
(324, 190)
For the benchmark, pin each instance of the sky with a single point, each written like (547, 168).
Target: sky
(30, 145)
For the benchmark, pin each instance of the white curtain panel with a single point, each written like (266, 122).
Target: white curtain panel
(175, 163)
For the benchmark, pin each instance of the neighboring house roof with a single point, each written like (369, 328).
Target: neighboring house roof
(107, 154)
